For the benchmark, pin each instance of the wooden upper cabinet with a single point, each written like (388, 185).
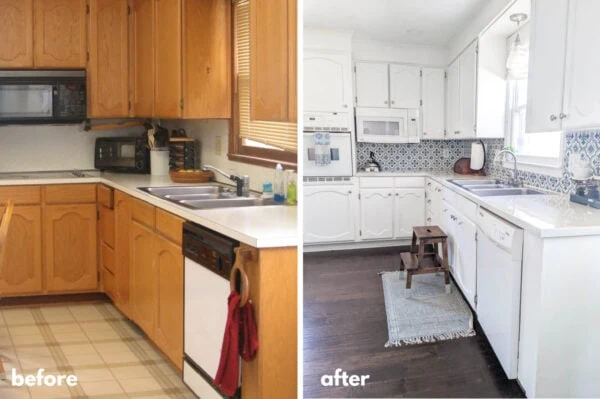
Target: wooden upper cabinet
(60, 33)
(207, 58)
(16, 33)
(70, 247)
(167, 59)
(273, 60)
(142, 57)
(108, 69)
(22, 270)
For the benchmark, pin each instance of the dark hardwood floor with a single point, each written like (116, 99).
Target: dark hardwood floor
(345, 327)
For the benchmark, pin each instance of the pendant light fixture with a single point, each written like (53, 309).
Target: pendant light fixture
(517, 63)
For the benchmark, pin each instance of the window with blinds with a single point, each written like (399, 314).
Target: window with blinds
(263, 139)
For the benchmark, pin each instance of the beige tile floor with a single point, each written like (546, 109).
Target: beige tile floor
(109, 355)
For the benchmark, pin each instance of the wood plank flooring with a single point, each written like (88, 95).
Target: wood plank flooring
(345, 327)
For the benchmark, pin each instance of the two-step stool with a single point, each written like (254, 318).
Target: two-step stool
(417, 261)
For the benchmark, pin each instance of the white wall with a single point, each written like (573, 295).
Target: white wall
(213, 136)
(50, 147)
(326, 39)
(375, 50)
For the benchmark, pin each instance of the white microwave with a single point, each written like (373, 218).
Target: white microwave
(385, 125)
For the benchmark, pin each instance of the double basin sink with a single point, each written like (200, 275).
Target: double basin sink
(493, 188)
(206, 197)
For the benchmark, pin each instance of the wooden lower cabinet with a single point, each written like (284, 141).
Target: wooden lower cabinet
(122, 209)
(70, 248)
(144, 277)
(22, 270)
(168, 331)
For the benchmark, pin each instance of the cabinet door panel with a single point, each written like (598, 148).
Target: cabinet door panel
(582, 102)
(70, 247)
(405, 86)
(409, 211)
(122, 257)
(169, 317)
(144, 277)
(16, 31)
(453, 100)
(376, 214)
(142, 57)
(433, 103)
(330, 214)
(372, 85)
(167, 95)
(327, 82)
(547, 53)
(468, 91)
(108, 69)
(465, 260)
(60, 34)
(22, 269)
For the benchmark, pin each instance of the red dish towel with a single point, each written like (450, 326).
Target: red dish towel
(228, 373)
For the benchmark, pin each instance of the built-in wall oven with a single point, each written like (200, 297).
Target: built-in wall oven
(42, 97)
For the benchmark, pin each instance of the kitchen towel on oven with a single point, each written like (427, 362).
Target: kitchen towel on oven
(322, 141)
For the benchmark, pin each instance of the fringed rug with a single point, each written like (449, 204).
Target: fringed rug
(424, 313)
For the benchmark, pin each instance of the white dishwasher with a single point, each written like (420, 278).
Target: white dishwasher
(499, 257)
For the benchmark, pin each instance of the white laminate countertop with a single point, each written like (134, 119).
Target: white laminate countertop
(257, 226)
(551, 215)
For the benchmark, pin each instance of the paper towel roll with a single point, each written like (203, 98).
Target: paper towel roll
(477, 156)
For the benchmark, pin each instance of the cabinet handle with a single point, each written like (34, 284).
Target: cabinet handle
(429, 201)
(424, 133)
(397, 194)
(562, 115)
(457, 132)
(553, 117)
(393, 102)
(349, 191)
(389, 194)
(429, 184)
(385, 102)
(345, 105)
(429, 219)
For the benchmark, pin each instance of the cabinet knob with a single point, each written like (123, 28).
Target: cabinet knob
(389, 194)
(429, 201)
(393, 102)
(553, 117)
(397, 194)
(429, 183)
(429, 219)
(345, 105)
(562, 115)
(385, 102)
(349, 191)
(457, 132)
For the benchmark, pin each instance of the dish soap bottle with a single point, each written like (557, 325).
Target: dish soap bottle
(291, 198)
(279, 189)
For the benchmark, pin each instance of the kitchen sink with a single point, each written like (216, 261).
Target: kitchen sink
(506, 191)
(493, 188)
(206, 197)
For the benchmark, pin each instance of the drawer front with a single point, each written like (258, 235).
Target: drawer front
(466, 207)
(401, 182)
(107, 226)
(376, 182)
(449, 196)
(143, 212)
(20, 195)
(109, 283)
(107, 257)
(70, 194)
(169, 225)
(106, 196)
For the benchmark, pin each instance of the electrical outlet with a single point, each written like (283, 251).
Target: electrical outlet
(218, 145)
(445, 153)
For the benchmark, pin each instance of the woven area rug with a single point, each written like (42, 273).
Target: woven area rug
(424, 313)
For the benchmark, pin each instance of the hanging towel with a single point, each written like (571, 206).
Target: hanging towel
(239, 328)
(322, 141)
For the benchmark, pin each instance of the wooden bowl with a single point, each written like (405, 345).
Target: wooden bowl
(191, 176)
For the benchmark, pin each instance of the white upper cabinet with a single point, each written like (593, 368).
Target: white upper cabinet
(453, 100)
(327, 82)
(372, 85)
(432, 113)
(468, 91)
(547, 54)
(377, 214)
(329, 214)
(405, 86)
(582, 79)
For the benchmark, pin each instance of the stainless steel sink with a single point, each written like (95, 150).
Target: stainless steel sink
(493, 188)
(472, 182)
(506, 191)
(206, 197)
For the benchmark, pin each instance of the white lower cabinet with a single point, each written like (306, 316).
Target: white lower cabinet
(409, 211)
(330, 213)
(433, 203)
(377, 214)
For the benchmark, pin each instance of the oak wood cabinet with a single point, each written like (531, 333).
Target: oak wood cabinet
(16, 33)
(122, 253)
(144, 277)
(142, 53)
(273, 60)
(108, 68)
(167, 59)
(70, 247)
(22, 270)
(59, 31)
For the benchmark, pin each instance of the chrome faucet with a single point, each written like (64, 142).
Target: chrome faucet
(515, 181)
(242, 182)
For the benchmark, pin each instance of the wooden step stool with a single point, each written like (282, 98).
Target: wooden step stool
(417, 261)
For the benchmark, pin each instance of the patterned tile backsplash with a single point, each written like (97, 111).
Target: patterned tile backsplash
(428, 155)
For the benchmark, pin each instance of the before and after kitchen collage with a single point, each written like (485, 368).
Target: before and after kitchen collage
(281, 199)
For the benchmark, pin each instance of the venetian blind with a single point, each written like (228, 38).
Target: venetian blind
(282, 135)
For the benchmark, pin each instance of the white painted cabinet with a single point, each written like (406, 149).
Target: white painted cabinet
(330, 213)
(376, 214)
(582, 79)
(372, 85)
(327, 81)
(405, 86)
(547, 54)
(433, 203)
(453, 100)
(409, 211)
(432, 110)
(468, 91)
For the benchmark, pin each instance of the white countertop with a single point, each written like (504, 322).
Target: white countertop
(551, 215)
(258, 226)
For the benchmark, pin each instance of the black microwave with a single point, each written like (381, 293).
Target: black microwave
(42, 97)
(122, 154)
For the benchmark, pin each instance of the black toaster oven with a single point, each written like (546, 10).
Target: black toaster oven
(122, 154)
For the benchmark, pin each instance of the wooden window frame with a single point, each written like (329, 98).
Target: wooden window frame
(246, 154)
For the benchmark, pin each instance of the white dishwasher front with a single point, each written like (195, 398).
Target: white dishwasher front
(499, 257)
